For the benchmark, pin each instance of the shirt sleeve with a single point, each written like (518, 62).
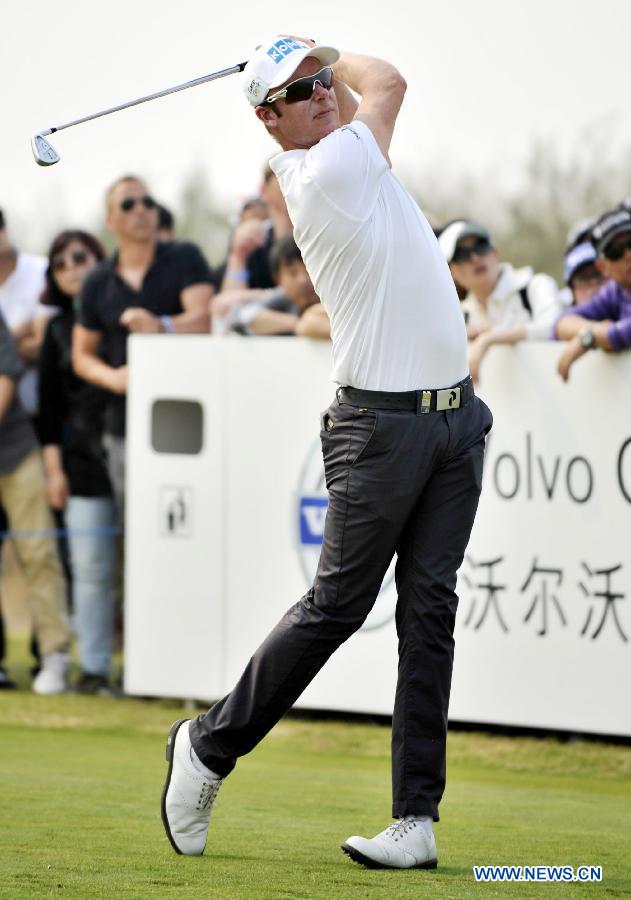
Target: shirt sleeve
(347, 166)
(10, 364)
(193, 267)
(44, 311)
(620, 334)
(601, 306)
(545, 301)
(88, 304)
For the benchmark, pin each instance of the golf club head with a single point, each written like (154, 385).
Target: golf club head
(44, 153)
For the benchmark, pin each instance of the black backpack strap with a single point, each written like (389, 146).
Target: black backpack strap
(525, 302)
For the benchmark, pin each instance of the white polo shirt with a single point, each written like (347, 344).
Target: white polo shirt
(20, 293)
(396, 323)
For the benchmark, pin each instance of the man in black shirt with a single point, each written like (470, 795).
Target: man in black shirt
(147, 287)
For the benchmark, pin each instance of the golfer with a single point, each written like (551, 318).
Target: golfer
(403, 446)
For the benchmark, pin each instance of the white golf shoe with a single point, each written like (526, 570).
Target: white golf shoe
(188, 796)
(406, 844)
(52, 678)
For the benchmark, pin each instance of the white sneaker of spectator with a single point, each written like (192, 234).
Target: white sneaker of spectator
(52, 678)
(406, 844)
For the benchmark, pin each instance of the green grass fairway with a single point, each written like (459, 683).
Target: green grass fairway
(80, 783)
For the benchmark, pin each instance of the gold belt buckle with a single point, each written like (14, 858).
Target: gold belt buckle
(449, 398)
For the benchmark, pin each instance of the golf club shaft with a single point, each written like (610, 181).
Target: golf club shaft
(172, 90)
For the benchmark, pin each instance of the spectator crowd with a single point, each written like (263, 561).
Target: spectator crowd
(64, 323)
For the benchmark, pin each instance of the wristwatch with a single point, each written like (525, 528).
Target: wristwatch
(587, 339)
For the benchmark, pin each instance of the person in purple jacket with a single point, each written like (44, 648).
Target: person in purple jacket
(603, 322)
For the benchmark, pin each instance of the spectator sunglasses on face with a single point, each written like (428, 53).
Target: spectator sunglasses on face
(78, 257)
(128, 203)
(617, 249)
(481, 247)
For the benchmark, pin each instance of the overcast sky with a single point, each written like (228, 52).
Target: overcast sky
(485, 79)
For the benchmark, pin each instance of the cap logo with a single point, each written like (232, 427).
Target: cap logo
(254, 87)
(278, 51)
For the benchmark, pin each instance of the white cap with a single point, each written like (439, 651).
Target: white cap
(455, 231)
(276, 61)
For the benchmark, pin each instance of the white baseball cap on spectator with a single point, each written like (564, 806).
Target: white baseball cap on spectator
(456, 231)
(275, 61)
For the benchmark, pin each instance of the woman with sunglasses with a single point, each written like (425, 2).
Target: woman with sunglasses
(502, 304)
(77, 480)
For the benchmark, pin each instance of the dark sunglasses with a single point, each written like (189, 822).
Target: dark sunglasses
(615, 252)
(78, 257)
(303, 88)
(128, 203)
(463, 254)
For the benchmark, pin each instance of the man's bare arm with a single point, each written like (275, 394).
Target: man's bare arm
(196, 316)
(347, 103)
(194, 320)
(7, 392)
(314, 323)
(571, 326)
(87, 365)
(381, 88)
(29, 338)
(247, 237)
(270, 321)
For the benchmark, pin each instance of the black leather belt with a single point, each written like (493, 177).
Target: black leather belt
(412, 401)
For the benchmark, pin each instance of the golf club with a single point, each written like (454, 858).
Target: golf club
(46, 155)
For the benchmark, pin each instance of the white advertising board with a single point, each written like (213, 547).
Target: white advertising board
(174, 610)
(543, 637)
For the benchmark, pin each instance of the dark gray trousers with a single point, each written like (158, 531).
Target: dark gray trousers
(398, 482)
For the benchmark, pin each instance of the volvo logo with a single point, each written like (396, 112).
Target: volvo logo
(310, 515)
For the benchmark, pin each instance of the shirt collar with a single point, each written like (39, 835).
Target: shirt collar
(618, 289)
(112, 261)
(510, 282)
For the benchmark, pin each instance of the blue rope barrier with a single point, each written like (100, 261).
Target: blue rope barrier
(107, 531)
